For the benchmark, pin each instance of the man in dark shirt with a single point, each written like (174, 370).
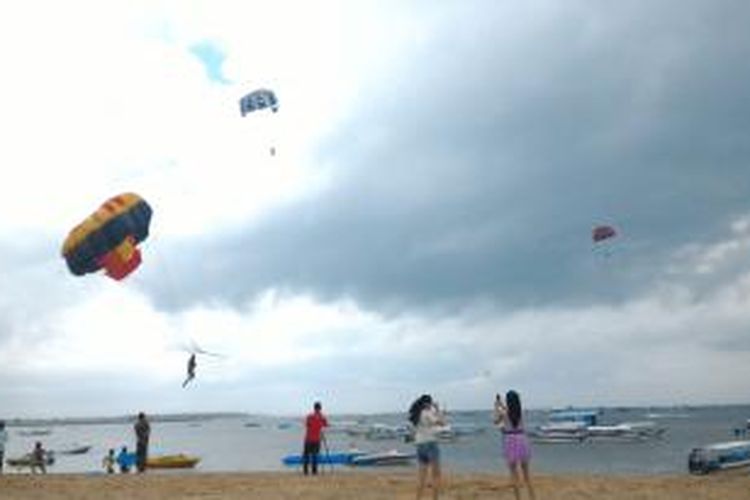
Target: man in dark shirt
(142, 433)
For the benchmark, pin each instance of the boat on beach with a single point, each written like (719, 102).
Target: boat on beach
(27, 460)
(335, 458)
(178, 461)
(719, 456)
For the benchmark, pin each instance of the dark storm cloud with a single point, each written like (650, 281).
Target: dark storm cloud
(477, 166)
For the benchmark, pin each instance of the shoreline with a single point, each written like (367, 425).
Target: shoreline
(341, 485)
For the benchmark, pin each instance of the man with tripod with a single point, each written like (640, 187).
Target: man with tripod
(314, 424)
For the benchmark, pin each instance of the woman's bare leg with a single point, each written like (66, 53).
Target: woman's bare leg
(421, 476)
(435, 479)
(514, 475)
(527, 479)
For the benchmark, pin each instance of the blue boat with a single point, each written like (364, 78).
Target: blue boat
(339, 458)
(719, 456)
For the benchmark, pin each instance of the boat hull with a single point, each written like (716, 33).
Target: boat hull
(172, 462)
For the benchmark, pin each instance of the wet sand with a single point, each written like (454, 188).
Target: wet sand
(347, 485)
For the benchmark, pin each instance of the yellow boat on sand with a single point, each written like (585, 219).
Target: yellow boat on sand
(179, 461)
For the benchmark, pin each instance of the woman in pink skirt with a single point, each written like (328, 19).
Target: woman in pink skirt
(516, 446)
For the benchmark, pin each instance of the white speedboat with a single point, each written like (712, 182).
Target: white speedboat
(378, 432)
(719, 456)
(562, 432)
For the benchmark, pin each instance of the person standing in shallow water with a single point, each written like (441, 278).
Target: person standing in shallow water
(516, 447)
(314, 424)
(142, 433)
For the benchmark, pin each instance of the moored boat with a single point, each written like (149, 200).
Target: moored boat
(78, 450)
(35, 432)
(571, 426)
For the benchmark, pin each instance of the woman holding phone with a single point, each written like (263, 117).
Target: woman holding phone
(516, 446)
(427, 419)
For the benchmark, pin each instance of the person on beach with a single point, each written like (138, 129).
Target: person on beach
(190, 370)
(516, 446)
(314, 424)
(123, 460)
(3, 440)
(38, 458)
(108, 462)
(142, 433)
(427, 419)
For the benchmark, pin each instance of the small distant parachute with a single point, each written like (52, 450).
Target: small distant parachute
(601, 233)
(107, 239)
(257, 100)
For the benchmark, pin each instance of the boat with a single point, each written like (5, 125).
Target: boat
(35, 432)
(559, 432)
(445, 433)
(647, 428)
(554, 433)
(79, 450)
(387, 458)
(178, 461)
(466, 429)
(26, 460)
(571, 426)
(338, 458)
(719, 456)
(586, 417)
(378, 432)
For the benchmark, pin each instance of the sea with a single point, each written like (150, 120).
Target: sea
(243, 442)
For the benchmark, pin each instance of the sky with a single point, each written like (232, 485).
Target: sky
(423, 227)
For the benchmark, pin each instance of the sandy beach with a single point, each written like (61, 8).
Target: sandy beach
(342, 485)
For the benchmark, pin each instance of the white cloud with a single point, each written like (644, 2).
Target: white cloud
(99, 99)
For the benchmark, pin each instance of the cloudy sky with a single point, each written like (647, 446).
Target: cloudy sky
(425, 224)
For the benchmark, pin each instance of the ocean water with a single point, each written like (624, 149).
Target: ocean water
(257, 443)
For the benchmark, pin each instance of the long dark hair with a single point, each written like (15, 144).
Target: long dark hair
(417, 406)
(513, 402)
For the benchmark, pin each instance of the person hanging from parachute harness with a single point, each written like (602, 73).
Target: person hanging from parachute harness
(190, 370)
(603, 238)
